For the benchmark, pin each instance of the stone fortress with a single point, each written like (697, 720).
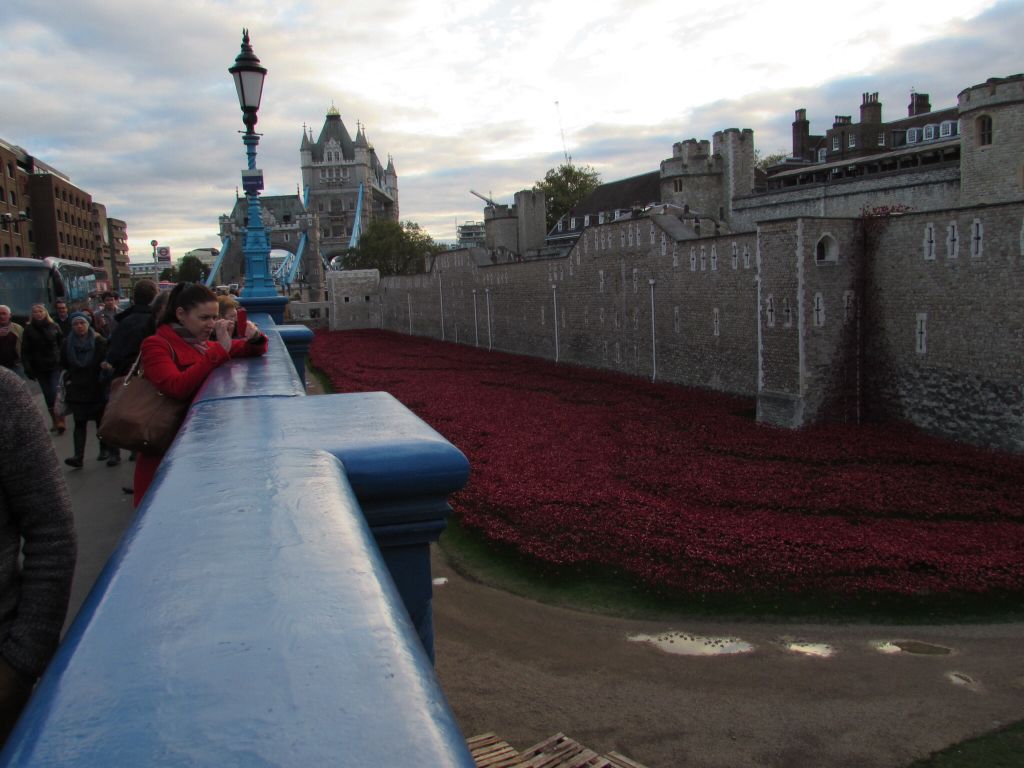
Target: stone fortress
(878, 272)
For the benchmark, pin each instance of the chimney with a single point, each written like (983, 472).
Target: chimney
(919, 104)
(801, 135)
(870, 108)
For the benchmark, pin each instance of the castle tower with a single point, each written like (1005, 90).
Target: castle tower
(992, 131)
(333, 167)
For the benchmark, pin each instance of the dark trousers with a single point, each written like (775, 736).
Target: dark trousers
(48, 382)
(84, 413)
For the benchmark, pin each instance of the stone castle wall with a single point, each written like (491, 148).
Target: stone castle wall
(758, 314)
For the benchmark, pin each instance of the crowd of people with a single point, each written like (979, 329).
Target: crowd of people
(178, 338)
(74, 356)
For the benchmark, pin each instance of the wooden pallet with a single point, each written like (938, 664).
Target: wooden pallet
(491, 752)
(557, 752)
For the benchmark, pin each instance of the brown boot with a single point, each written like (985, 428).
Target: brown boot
(58, 423)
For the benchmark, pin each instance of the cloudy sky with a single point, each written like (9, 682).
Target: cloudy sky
(132, 98)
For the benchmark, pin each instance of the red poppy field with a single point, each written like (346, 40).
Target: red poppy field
(680, 490)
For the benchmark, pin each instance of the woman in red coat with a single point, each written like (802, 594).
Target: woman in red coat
(190, 341)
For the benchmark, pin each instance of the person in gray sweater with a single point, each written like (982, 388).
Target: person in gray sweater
(36, 526)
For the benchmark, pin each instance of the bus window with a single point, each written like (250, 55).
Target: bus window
(24, 282)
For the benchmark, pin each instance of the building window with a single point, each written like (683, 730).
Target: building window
(600, 218)
(635, 281)
(714, 259)
(787, 314)
(572, 223)
(735, 256)
(822, 154)
(703, 258)
(560, 221)
(929, 242)
(881, 138)
(693, 259)
(600, 276)
(664, 244)
(913, 135)
(746, 257)
(769, 311)
(835, 143)
(929, 132)
(984, 130)
(626, 236)
(952, 241)
(976, 236)
(921, 333)
(10, 169)
(677, 185)
(852, 142)
(947, 128)
(826, 251)
(819, 310)
(716, 325)
(586, 220)
(675, 256)
(675, 319)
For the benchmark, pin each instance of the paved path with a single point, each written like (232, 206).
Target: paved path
(527, 670)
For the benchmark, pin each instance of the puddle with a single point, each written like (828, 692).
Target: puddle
(914, 647)
(694, 645)
(440, 581)
(818, 650)
(962, 680)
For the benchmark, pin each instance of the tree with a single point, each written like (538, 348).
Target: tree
(764, 162)
(192, 270)
(169, 275)
(392, 248)
(564, 187)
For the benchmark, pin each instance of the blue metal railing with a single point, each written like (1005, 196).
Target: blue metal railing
(211, 279)
(270, 603)
(357, 227)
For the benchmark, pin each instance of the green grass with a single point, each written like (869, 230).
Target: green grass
(610, 592)
(1000, 749)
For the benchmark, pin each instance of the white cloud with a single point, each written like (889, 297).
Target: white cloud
(133, 99)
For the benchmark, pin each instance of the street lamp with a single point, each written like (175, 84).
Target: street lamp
(259, 293)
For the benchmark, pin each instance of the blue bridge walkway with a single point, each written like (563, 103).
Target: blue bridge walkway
(270, 603)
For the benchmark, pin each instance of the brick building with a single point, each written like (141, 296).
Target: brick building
(42, 213)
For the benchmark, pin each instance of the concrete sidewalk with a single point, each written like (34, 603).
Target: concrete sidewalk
(102, 511)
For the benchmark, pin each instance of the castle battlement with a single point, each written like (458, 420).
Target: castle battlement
(996, 91)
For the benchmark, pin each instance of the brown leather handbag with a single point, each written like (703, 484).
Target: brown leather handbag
(138, 416)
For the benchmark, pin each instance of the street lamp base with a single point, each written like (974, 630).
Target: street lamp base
(272, 305)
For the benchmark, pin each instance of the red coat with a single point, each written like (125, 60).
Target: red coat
(179, 376)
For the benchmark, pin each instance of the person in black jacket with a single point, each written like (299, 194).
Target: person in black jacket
(40, 355)
(133, 325)
(86, 385)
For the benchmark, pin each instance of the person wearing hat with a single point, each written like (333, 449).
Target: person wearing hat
(86, 386)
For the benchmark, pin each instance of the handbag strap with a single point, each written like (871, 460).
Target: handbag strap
(136, 367)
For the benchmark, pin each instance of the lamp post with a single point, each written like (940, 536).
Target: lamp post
(259, 293)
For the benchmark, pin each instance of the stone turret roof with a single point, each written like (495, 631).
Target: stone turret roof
(361, 141)
(335, 129)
